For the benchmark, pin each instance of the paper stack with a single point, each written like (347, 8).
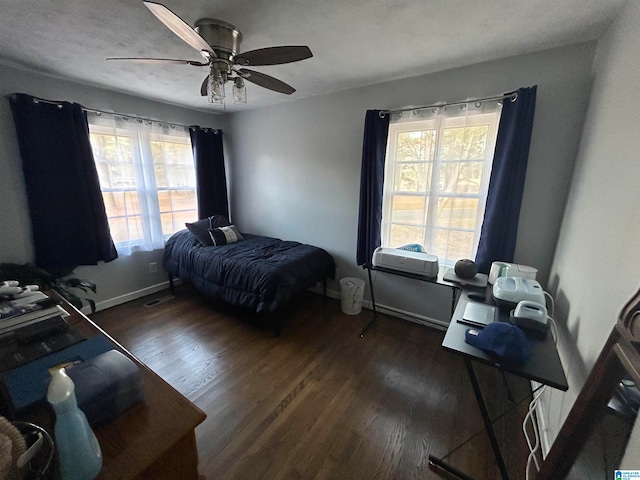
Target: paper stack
(27, 309)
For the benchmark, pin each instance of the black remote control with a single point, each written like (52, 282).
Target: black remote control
(41, 330)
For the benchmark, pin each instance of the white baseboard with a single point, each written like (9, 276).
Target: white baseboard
(412, 317)
(395, 312)
(545, 445)
(128, 297)
(541, 419)
(330, 293)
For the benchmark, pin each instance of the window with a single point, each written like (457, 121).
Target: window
(147, 178)
(437, 170)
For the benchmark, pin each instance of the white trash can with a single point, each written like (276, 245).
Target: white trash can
(351, 293)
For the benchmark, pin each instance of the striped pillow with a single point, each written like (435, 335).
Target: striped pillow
(224, 235)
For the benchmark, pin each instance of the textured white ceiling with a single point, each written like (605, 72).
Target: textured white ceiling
(354, 42)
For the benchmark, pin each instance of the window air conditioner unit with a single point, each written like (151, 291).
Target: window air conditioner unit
(416, 263)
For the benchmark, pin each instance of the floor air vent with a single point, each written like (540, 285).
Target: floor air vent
(158, 301)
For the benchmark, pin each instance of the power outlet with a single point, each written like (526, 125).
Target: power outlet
(153, 267)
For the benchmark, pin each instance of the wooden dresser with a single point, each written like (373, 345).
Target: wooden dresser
(152, 440)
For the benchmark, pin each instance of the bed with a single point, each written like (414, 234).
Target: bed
(255, 272)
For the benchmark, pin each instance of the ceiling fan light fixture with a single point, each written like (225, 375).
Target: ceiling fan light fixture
(215, 89)
(239, 91)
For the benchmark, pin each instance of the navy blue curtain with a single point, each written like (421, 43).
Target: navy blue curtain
(500, 224)
(374, 147)
(210, 172)
(68, 219)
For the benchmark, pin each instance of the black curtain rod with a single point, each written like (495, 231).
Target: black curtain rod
(124, 115)
(512, 95)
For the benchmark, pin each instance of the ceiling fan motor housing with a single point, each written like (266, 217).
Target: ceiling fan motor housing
(223, 37)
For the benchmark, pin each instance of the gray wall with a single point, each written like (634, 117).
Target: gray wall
(125, 277)
(294, 173)
(296, 167)
(597, 261)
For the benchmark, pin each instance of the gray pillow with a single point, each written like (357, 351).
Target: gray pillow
(200, 229)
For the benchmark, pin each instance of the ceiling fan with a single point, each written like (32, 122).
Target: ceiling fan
(218, 42)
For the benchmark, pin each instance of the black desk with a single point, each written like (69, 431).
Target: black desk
(439, 279)
(544, 366)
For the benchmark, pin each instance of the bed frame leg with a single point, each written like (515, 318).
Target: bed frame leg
(171, 283)
(277, 325)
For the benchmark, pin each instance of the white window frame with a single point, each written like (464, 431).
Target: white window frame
(436, 120)
(146, 187)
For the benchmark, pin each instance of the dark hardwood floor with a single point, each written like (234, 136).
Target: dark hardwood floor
(318, 402)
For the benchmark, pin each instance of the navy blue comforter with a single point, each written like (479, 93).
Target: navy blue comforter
(261, 273)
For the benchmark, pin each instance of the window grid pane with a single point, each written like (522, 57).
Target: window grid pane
(403, 235)
(416, 146)
(436, 182)
(413, 177)
(455, 212)
(409, 210)
(122, 157)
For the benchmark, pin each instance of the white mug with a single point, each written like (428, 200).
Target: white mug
(498, 269)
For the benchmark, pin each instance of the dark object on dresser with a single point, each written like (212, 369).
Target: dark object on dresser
(466, 268)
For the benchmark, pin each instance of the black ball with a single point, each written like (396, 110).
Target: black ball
(466, 268)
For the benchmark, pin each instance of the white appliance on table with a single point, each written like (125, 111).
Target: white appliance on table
(417, 263)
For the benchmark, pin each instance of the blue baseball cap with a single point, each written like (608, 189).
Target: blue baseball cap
(504, 339)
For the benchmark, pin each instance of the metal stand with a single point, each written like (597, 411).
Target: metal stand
(437, 280)
(442, 465)
(439, 463)
(373, 304)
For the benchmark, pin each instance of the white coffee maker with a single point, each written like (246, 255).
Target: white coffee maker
(504, 269)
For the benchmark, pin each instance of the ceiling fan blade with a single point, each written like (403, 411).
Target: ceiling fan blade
(178, 26)
(266, 81)
(273, 55)
(159, 60)
(204, 88)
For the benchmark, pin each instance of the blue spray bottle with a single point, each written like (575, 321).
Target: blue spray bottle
(78, 448)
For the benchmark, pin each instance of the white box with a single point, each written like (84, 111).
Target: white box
(416, 263)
